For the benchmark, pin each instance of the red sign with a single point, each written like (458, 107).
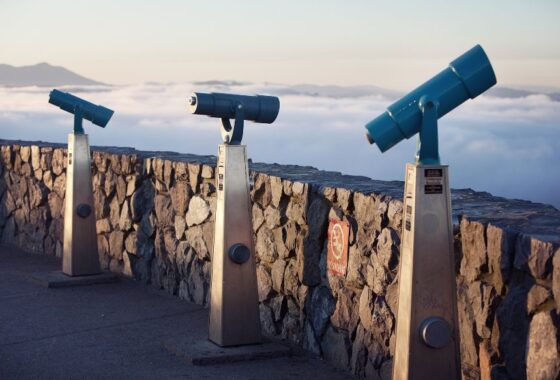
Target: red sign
(337, 256)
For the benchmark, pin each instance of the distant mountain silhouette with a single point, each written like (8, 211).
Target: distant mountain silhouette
(41, 74)
(506, 92)
(333, 91)
(336, 92)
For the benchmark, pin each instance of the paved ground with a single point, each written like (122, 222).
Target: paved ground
(110, 331)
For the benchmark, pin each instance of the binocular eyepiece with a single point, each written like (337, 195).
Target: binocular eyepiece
(98, 115)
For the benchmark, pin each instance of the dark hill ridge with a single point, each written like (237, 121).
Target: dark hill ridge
(41, 74)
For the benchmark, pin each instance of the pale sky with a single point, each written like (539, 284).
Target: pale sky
(390, 44)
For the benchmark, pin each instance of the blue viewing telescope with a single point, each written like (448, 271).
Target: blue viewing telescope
(466, 77)
(81, 109)
(258, 108)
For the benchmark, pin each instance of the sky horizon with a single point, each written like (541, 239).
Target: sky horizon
(506, 146)
(396, 46)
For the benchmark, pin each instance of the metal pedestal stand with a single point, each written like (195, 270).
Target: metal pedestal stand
(80, 260)
(80, 257)
(234, 305)
(234, 328)
(427, 340)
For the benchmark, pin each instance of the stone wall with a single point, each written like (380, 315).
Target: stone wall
(155, 223)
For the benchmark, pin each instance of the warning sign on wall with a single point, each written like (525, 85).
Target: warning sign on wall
(337, 256)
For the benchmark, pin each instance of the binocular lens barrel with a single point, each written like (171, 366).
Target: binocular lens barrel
(258, 108)
(466, 77)
(98, 115)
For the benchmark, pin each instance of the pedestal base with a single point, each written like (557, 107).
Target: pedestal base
(80, 256)
(234, 302)
(60, 280)
(427, 333)
(204, 352)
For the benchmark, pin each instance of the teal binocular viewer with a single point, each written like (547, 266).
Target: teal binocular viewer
(234, 305)
(82, 109)
(258, 108)
(427, 340)
(466, 77)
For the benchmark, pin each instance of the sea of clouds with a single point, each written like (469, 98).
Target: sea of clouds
(507, 146)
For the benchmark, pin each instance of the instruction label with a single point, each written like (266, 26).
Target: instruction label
(408, 218)
(434, 181)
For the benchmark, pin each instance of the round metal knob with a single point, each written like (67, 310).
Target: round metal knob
(83, 210)
(435, 332)
(239, 253)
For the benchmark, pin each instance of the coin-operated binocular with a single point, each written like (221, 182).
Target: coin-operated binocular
(427, 340)
(234, 306)
(80, 256)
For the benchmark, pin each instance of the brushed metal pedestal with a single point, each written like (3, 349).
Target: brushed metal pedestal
(234, 308)
(80, 256)
(427, 340)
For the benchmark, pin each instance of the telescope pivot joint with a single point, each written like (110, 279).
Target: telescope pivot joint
(427, 145)
(232, 135)
(78, 121)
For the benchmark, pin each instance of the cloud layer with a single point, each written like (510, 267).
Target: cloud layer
(506, 146)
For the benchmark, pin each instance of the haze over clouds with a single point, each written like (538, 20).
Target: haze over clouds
(507, 146)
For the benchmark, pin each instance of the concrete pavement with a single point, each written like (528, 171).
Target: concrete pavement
(111, 331)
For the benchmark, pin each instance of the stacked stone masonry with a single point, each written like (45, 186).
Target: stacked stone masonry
(155, 223)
